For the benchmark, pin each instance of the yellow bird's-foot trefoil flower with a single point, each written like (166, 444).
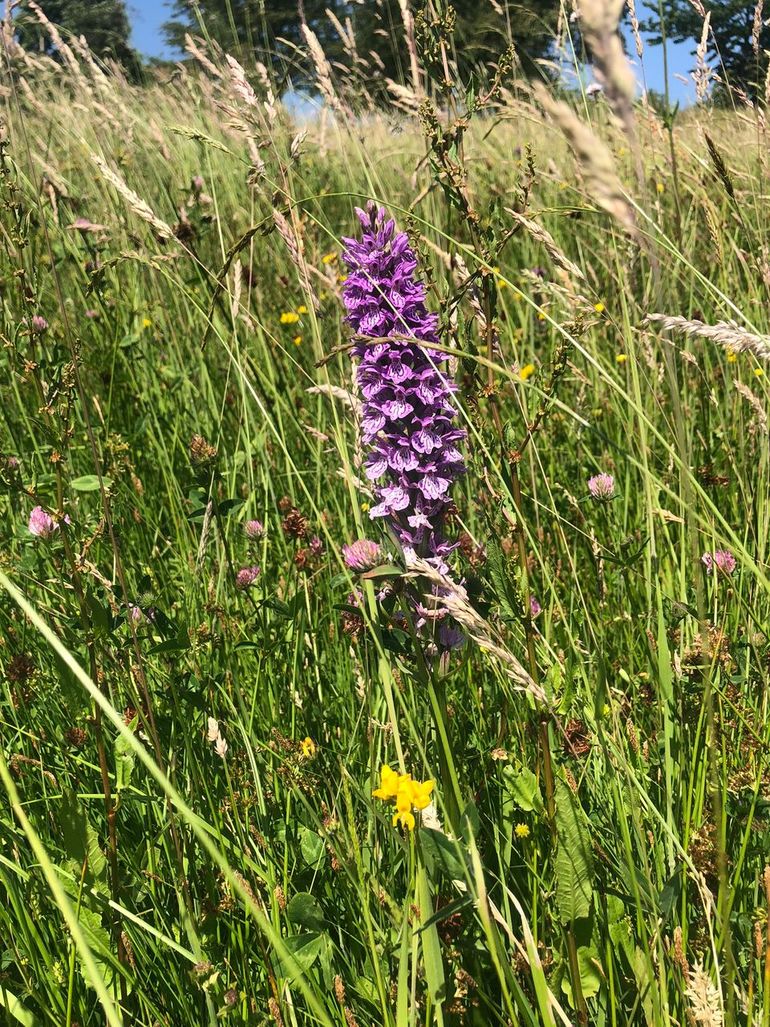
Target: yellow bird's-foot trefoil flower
(408, 794)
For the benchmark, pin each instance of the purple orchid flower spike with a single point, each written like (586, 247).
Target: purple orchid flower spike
(408, 423)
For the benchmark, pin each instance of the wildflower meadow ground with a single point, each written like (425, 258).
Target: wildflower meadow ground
(384, 584)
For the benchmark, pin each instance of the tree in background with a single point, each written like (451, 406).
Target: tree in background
(736, 46)
(103, 23)
(271, 31)
(483, 29)
(267, 30)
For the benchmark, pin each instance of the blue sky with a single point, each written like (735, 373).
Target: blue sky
(147, 16)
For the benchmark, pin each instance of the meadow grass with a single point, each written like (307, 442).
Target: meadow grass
(598, 847)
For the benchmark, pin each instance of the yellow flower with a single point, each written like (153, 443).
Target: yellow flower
(409, 795)
(364, 507)
(540, 315)
(522, 831)
(403, 814)
(302, 309)
(732, 356)
(501, 283)
(342, 279)
(526, 372)
(389, 782)
(421, 791)
(660, 188)
(308, 747)
(405, 818)
(328, 258)
(297, 340)
(758, 372)
(288, 317)
(599, 307)
(621, 358)
(147, 323)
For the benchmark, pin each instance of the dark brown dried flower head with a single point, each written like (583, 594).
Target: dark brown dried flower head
(20, 668)
(202, 452)
(295, 524)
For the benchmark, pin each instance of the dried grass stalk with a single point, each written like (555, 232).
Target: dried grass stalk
(756, 29)
(546, 240)
(322, 68)
(756, 405)
(454, 599)
(725, 333)
(197, 53)
(239, 83)
(703, 72)
(704, 999)
(595, 160)
(134, 202)
(67, 55)
(290, 234)
(599, 25)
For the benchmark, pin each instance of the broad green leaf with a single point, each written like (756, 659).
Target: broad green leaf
(311, 845)
(431, 946)
(89, 483)
(591, 977)
(15, 1009)
(305, 948)
(574, 864)
(523, 785)
(306, 911)
(125, 760)
(444, 852)
(81, 843)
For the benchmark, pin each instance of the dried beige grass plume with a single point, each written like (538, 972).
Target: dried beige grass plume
(546, 240)
(725, 333)
(68, 56)
(239, 83)
(599, 24)
(134, 202)
(756, 29)
(595, 160)
(195, 51)
(454, 599)
(756, 405)
(704, 999)
(703, 73)
(635, 28)
(414, 64)
(290, 233)
(322, 69)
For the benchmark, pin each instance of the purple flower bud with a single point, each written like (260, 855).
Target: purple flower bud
(38, 324)
(535, 609)
(254, 529)
(246, 577)
(602, 486)
(316, 546)
(41, 523)
(198, 184)
(362, 555)
(134, 613)
(91, 314)
(721, 559)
